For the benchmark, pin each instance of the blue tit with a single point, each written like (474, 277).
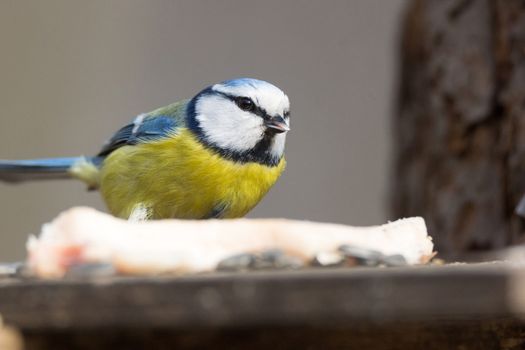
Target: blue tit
(213, 156)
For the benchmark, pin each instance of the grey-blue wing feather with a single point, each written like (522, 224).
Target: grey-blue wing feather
(143, 129)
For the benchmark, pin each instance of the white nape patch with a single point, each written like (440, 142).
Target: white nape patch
(227, 126)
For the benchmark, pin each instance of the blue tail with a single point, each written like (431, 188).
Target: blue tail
(36, 169)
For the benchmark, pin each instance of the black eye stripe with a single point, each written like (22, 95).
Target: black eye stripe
(257, 110)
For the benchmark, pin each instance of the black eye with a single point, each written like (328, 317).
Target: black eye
(287, 114)
(245, 104)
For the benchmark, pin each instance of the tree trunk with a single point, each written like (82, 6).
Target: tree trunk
(459, 131)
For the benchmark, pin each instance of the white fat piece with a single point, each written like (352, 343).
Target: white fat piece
(230, 128)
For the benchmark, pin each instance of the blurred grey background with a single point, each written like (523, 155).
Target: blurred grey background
(72, 72)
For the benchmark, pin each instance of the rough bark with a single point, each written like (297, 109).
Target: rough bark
(460, 128)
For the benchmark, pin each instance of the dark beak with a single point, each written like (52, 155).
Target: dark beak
(277, 124)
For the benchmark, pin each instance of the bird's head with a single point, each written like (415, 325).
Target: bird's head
(244, 119)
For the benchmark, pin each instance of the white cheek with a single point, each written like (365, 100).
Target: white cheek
(226, 126)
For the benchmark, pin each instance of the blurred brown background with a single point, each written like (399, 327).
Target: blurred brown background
(72, 72)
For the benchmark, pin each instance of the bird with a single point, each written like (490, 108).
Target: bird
(215, 155)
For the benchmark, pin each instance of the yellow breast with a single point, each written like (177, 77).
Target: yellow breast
(178, 177)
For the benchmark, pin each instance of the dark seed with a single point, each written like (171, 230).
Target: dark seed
(90, 270)
(271, 255)
(363, 256)
(289, 262)
(237, 262)
(268, 259)
(394, 260)
(15, 269)
(275, 259)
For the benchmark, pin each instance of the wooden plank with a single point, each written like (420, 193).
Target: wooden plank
(300, 298)
(461, 335)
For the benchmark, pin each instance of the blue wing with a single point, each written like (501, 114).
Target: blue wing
(143, 129)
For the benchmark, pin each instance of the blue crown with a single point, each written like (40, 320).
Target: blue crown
(244, 81)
